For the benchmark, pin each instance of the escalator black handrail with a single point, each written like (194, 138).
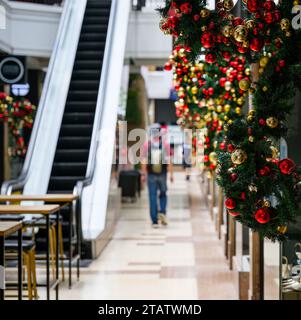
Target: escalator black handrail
(18, 184)
(87, 181)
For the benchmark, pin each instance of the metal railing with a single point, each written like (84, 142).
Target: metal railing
(87, 181)
(47, 2)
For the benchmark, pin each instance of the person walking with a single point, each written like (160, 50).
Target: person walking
(155, 167)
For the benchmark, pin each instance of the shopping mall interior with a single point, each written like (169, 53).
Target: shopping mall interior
(83, 84)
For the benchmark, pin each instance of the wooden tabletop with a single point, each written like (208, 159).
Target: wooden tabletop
(9, 227)
(17, 209)
(53, 198)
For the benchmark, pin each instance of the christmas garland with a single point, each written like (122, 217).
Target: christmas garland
(262, 191)
(219, 34)
(19, 115)
(208, 95)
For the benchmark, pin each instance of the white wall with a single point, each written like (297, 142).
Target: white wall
(30, 28)
(145, 39)
(158, 83)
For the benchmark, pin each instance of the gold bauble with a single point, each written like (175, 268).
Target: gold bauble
(250, 24)
(246, 44)
(266, 203)
(251, 139)
(230, 122)
(204, 28)
(238, 110)
(230, 17)
(272, 122)
(248, 71)
(226, 118)
(240, 101)
(228, 4)
(250, 118)
(288, 34)
(265, 88)
(227, 108)
(275, 152)
(282, 229)
(263, 61)
(194, 90)
(240, 33)
(204, 13)
(212, 156)
(227, 31)
(251, 113)
(284, 24)
(239, 156)
(261, 70)
(244, 85)
(219, 108)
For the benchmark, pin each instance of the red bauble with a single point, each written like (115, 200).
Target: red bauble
(233, 177)
(230, 203)
(256, 44)
(269, 5)
(211, 25)
(262, 122)
(212, 166)
(253, 5)
(262, 215)
(222, 82)
(243, 196)
(231, 148)
(242, 49)
(277, 15)
(222, 146)
(226, 55)
(210, 58)
(207, 40)
(179, 71)
(233, 214)
(196, 17)
(281, 63)
(269, 17)
(211, 91)
(237, 21)
(168, 66)
(207, 140)
(265, 171)
(206, 158)
(186, 8)
(287, 166)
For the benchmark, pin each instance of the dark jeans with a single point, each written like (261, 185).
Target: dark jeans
(157, 182)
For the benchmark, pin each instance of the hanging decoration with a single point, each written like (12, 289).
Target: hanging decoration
(19, 115)
(262, 191)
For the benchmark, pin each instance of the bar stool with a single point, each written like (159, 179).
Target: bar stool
(28, 247)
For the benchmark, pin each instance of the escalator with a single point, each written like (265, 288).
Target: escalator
(73, 145)
(71, 157)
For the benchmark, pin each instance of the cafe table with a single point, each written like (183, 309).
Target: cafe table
(63, 200)
(7, 228)
(45, 211)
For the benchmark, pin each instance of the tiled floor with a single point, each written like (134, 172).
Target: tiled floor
(182, 261)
